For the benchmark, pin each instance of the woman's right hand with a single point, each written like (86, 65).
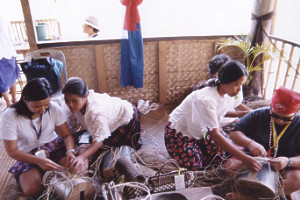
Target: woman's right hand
(49, 165)
(251, 163)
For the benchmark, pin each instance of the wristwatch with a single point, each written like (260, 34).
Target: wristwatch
(290, 164)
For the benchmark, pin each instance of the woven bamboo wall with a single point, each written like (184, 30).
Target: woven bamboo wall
(81, 62)
(171, 67)
(183, 64)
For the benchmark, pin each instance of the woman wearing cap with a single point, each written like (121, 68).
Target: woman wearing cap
(192, 135)
(91, 26)
(28, 134)
(273, 132)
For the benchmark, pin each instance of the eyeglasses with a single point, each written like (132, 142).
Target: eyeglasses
(288, 119)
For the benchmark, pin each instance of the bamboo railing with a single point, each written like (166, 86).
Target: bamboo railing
(284, 71)
(20, 34)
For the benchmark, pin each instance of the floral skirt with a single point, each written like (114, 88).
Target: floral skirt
(191, 153)
(56, 149)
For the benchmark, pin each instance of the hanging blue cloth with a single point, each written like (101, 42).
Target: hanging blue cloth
(132, 53)
(132, 59)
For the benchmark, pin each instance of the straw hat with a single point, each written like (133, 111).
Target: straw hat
(93, 22)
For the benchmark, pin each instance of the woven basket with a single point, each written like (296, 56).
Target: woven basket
(166, 182)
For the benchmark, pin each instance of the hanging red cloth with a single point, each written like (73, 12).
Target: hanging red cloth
(132, 16)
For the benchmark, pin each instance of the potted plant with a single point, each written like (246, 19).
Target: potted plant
(254, 56)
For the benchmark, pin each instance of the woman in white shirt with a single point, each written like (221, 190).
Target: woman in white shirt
(28, 134)
(238, 108)
(111, 121)
(192, 135)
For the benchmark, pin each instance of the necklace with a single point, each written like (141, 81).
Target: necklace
(272, 152)
(38, 132)
(40, 152)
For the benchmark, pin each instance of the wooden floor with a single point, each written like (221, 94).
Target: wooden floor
(6, 162)
(152, 124)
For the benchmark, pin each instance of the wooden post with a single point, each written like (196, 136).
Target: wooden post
(162, 72)
(274, 17)
(101, 68)
(260, 12)
(29, 25)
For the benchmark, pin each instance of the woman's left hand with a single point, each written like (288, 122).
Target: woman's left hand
(279, 163)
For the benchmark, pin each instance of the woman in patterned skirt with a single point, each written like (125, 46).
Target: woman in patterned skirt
(27, 129)
(111, 121)
(193, 136)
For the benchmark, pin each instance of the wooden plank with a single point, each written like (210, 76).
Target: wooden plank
(162, 68)
(6, 163)
(101, 68)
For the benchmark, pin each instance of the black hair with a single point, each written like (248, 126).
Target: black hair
(216, 63)
(231, 71)
(75, 85)
(95, 30)
(35, 90)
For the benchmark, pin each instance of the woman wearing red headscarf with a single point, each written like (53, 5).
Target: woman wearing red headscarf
(273, 132)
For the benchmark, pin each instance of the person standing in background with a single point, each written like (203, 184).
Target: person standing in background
(9, 70)
(91, 26)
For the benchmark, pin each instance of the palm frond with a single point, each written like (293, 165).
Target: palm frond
(251, 53)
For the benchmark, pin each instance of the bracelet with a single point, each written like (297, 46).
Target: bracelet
(249, 143)
(290, 164)
(84, 148)
(71, 150)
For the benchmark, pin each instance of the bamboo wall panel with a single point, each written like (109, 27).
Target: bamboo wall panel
(112, 59)
(234, 53)
(171, 68)
(184, 64)
(81, 62)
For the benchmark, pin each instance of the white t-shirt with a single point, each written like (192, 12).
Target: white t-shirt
(17, 127)
(199, 111)
(104, 114)
(7, 49)
(236, 101)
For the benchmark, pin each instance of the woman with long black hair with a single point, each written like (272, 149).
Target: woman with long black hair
(193, 136)
(28, 134)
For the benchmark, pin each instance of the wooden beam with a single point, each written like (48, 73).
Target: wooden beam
(260, 8)
(29, 24)
(273, 18)
(162, 68)
(101, 68)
